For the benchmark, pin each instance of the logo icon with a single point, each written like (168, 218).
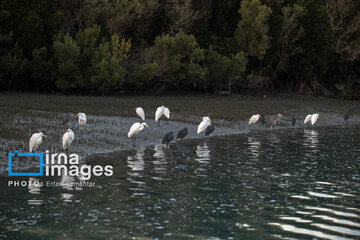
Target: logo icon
(19, 155)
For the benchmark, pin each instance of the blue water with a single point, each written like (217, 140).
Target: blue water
(283, 184)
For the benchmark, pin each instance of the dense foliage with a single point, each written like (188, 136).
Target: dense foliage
(134, 46)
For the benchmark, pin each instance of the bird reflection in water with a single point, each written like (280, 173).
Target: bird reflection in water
(159, 153)
(136, 162)
(160, 162)
(311, 139)
(254, 147)
(34, 186)
(136, 165)
(202, 153)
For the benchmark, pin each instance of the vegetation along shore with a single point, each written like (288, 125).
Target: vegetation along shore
(115, 47)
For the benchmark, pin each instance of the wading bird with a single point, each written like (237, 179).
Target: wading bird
(167, 115)
(35, 141)
(182, 133)
(81, 120)
(204, 124)
(135, 129)
(66, 118)
(314, 118)
(159, 112)
(347, 114)
(67, 139)
(168, 138)
(254, 119)
(140, 112)
(262, 118)
(307, 119)
(293, 119)
(209, 130)
(275, 119)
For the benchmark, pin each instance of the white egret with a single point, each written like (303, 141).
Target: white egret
(140, 112)
(254, 119)
(135, 129)
(81, 120)
(159, 112)
(314, 118)
(167, 114)
(67, 139)
(203, 125)
(35, 141)
(307, 119)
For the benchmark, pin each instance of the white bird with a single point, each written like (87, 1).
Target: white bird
(307, 119)
(159, 112)
(81, 120)
(314, 118)
(35, 141)
(67, 139)
(140, 112)
(254, 119)
(135, 129)
(167, 114)
(203, 125)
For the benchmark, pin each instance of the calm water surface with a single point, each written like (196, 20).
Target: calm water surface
(285, 184)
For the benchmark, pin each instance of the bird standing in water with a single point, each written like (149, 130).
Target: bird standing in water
(254, 119)
(307, 119)
(209, 130)
(168, 138)
(135, 129)
(347, 114)
(167, 115)
(314, 118)
(182, 133)
(293, 119)
(262, 118)
(159, 112)
(204, 124)
(275, 119)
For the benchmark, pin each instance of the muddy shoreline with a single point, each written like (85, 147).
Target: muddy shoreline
(109, 119)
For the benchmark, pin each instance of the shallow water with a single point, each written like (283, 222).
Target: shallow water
(284, 184)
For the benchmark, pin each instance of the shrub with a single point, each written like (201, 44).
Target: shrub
(225, 71)
(66, 59)
(106, 70)
(180, 61)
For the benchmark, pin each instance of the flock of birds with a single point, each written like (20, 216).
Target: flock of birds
(204, 126)
(136, 128)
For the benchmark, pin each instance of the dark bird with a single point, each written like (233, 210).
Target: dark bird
(66, 118)
(347, 114)
(182, 133)
(262, 119)
(168, 138)
(293, 119)
(209, 130)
